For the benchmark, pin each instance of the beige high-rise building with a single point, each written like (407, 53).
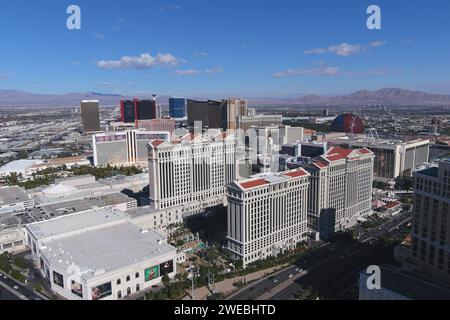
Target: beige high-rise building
(267, 215)
(192, 170)
(340, 191)
(236, 108)
(430, 246)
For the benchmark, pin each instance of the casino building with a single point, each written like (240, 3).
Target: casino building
(267, 215)
(99, 255)
(124, 147)
(192, 170)
(340, 191)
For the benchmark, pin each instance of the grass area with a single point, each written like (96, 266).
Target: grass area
(8, 264)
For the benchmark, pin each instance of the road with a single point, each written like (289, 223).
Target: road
(10, 289)
(332, 269)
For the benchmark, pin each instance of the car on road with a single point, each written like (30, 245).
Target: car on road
(16, 288)
(275, 281)
(290, 276)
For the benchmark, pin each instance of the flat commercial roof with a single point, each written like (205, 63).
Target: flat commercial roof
(107, 249)
(11, 195)
(79, 205)
(74, 222)
(19, 165)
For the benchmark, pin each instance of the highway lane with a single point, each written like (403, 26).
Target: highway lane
(334, 278)
(267, 284)
(20, 291)
(352, 255)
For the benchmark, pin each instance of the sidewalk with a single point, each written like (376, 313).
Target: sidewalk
(226, 286)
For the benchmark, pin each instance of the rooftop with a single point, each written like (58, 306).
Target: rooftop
(116, 247)
(75, 222)
(11, 195)
(272, 179)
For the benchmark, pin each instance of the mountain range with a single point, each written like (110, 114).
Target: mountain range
(387, 96)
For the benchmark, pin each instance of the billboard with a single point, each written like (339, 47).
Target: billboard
(166, 268)
(101, 291)
(152, 273)
(58, 279)
(77, 289)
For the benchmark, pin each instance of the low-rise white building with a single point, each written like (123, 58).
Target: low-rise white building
(99, 255)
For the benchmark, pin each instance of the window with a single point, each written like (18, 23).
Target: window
(119, 282)
(136, 275)
(128, 278)
(138, 288)
(128, 291)
(119, 295)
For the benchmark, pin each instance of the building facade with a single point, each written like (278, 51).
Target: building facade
(192, 169)
(225, 114)
(135, 110)
(392, 158)
(124, 147)
(167, 125)
(267, 215)
(177, 108)
(340, 191)
(90, 116)
(431, 225)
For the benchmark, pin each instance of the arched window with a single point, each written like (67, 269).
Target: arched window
(119, 295)
(138, 287)
(119, 281)
(128, 291)
(128, 278)
(136, 275)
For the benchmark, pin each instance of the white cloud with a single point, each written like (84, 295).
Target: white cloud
(189, 72)
(321, 70)
(99, 35)
(315, 71)
(142, 62)
(377, 44)
(4, 76)
(345, 49)
(214, 70)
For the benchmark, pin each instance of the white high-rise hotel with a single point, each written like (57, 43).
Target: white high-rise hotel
(340, 191)
(267, 215)
(192, 171)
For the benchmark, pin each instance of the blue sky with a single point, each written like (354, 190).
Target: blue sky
(212, 48)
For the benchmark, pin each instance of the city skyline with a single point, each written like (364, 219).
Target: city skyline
(242, 49)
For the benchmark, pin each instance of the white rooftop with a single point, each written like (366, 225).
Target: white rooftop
(104, 250)
(78, 222)
(19, 166)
